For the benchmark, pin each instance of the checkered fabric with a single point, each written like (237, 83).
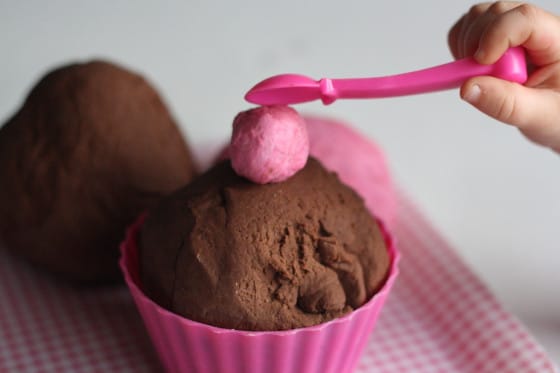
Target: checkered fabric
(439, 318)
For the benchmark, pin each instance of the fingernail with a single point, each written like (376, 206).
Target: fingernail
(472, 94)
(479, 54)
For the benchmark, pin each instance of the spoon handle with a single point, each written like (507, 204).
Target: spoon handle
(511, 66)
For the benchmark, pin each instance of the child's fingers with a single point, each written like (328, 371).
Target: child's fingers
(457, 32)
(470, 37)
(525, 25)
(536, 112)
(462, 40)
(453, 38)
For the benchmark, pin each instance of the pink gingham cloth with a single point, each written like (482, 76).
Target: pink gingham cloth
(439, 318)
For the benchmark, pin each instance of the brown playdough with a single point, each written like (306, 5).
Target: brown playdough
(92, 147)
(230, 253)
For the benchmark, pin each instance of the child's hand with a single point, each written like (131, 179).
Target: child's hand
(486, 31)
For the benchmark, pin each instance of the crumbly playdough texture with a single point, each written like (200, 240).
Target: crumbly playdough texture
(268, 144)
(234, 254)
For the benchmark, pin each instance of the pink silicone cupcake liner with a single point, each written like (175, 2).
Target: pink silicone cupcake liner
(189, 346)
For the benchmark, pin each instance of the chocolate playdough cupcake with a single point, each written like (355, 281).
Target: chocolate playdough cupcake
(283, 268)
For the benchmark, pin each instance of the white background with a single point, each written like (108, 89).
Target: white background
(491, 193)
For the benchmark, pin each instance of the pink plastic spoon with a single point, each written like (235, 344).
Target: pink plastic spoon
(287, 89)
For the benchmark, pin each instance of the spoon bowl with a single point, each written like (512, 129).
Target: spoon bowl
(298, 88)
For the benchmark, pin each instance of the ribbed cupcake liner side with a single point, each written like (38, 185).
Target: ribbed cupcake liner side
(188, 346)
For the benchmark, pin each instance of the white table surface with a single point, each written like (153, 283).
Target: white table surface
(494, 195)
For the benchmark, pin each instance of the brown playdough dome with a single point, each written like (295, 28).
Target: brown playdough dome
(234, 254)
(92, 147)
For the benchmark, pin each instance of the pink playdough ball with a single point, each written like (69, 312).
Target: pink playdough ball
(268, 144)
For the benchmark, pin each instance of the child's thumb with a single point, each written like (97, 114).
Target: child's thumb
(507, 102)
(534, 111)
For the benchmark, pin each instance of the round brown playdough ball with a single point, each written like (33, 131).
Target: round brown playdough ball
(92, 147)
